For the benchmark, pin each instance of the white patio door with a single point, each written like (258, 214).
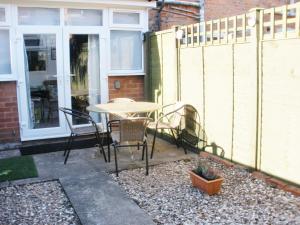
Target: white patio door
(41, 83)
(82, 71)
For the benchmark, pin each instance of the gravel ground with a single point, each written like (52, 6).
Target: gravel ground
(39, 203)
(167, 195)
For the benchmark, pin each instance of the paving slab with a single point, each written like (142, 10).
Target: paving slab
(99, 200)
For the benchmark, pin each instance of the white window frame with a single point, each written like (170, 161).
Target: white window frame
(7, 10)
(12, 75)
(140, 12)
(126, 72)
(61, 15)
(141, 27)
(104, 15)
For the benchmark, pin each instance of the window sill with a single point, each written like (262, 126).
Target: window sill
(126, 74)
(7, 79)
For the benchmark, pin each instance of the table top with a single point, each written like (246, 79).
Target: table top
(125, 107)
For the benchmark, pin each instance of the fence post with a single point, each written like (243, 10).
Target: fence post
(255, 21)
(177, 58)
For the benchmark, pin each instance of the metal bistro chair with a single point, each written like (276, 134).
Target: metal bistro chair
(115, 117)
(132, 133)
(192, 132)
(168, 121)
(94, 129)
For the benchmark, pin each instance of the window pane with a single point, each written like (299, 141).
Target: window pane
(126, 18)
(83, 17)
(38, 16)
(126, 50)
(2, 14)
(5, 66)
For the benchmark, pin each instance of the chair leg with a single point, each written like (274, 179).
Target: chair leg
(176, 140)
(147, 166)
(68, 144)
(100, 146)
(153, 143)
(143, 152)
(108, 145)
(69, 150)
(116, 160)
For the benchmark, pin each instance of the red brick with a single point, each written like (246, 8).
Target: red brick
(131, 87)
(9, 126)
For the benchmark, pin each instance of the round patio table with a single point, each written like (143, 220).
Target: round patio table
(124, 107)
(121, 108)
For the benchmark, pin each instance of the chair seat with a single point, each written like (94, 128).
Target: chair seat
(86, 130)
(160, 125)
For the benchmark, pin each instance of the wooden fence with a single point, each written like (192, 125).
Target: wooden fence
(242, 73)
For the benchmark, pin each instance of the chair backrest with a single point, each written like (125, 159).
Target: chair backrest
(133, 129)
(175, 116)
(74, 113)
(120, 100)
(192, 130)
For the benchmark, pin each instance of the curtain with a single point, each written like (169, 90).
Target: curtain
(94, 73)
(30, 103)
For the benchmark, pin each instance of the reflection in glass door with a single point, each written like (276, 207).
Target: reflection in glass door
(85, 73)
(41, 80)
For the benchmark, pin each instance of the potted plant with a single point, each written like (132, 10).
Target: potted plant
(206, 179)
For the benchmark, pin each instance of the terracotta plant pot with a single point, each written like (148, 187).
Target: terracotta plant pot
(211, 187)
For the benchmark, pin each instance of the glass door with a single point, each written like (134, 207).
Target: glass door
(42, 84)
(83, 73)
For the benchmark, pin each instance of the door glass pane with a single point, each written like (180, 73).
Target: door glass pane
(126, 18)
(83, 17)
(85, 73)
(5, 65)
(38, 16)
(2, 14)
(41, 80)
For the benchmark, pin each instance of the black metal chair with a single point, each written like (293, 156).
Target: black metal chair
(192, 133)
(170, 120)
(131, 133)
(78, 131)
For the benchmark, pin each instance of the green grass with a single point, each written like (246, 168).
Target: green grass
(16, 168)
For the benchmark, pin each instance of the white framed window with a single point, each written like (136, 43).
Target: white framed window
(4, 15)
(6, 62)
(126, 18)
(126, 51)
(83, 17)
(38, 16)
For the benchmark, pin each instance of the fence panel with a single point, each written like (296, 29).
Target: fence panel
(156, 68)
(242, 73)
(280, 155)
(218, 73)
(169, 69)
(191, 78)
(245, 104)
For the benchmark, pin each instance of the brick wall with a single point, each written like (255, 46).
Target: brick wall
(171, 16)
(9, 121)
(215, 9)
(131, 87)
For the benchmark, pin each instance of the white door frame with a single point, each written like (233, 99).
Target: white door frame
(103, 61)
(42, 133)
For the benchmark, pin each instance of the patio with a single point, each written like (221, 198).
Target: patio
(86, 188)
